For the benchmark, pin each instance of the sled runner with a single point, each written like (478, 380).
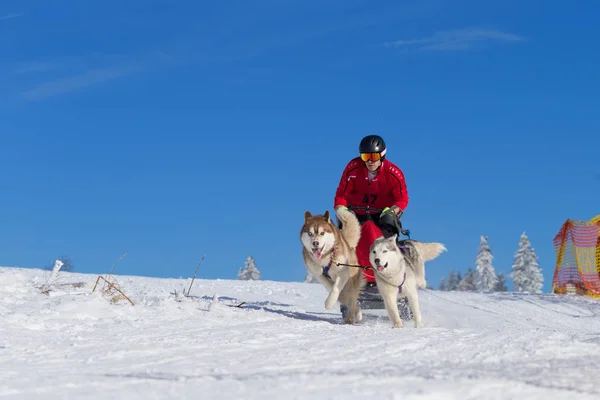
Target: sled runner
(370, 297)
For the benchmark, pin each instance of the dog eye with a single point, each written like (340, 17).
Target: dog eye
(385, 251)
(322, 233)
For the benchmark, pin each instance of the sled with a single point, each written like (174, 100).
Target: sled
(370, 299)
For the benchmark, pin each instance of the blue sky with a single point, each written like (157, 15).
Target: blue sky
(171, 129)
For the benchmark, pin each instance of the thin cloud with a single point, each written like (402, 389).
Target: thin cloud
(36, 66)
(457, 40)
(10, 16)
(77, 82)
(120, 67)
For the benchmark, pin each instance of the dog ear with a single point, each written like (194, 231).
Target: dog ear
(394, 238)
(307, 215)
(326, 215)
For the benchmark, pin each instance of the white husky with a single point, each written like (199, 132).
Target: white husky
(401, 269)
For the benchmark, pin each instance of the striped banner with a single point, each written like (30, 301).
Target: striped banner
(577, 247)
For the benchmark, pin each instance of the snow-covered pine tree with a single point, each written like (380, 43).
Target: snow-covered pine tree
(453, 281)
(249, 272)
(485, 278)
(526, 273)
(501, 284)
(467, 284)
(535, 273)
(443, 285)
(457, 280)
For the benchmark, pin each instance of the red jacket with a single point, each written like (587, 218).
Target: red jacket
(387, 189)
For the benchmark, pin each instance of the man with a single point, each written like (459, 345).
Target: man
(370, 180)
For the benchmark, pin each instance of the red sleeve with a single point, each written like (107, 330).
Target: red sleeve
(399, 191)
(341, 192)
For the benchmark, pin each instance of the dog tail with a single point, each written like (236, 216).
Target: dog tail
(350, 227)
(429, 250)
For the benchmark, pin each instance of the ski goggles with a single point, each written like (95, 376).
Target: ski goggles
(370, 156)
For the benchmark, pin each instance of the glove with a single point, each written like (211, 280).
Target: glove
(391, 212)
(387, 211)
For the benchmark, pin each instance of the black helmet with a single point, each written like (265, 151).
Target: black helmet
(372, 144)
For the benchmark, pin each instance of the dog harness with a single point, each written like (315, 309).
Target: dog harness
(403, 250)
(402, 247)
(400, 287)
(326, 268)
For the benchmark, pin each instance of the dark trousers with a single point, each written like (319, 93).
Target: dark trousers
(389, 225)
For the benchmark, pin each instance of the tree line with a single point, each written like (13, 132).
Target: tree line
(526, 273)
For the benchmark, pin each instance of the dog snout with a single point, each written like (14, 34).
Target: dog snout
(315, 244)
(377, 261)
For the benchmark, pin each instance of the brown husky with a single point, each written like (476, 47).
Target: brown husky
(325, 246)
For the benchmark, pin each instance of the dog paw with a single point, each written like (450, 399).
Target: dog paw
(349, 320)
(398, 325)
(419, 324)
(330, 302)
(359, 316)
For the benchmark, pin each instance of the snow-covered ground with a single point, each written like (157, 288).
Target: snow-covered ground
(74, 343)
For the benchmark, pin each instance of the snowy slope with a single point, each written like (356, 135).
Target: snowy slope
(72, 343)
